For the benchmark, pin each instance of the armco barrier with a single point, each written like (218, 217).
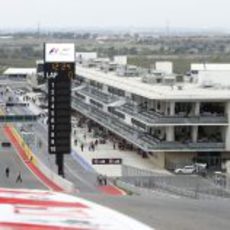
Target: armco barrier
(64, 184)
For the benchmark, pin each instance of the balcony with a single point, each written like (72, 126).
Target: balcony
(98, 95)
(18, 118)
(140, 139)
(152, 118)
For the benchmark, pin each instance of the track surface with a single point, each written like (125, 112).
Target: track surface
(170, 213)
(9, 158)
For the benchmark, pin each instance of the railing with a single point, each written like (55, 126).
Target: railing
(193, 119)
(151, 117)
(98, 95)
(18, 118)
(190, 146)
(140, 139)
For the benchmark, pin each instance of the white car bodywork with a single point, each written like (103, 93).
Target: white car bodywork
(189, 169)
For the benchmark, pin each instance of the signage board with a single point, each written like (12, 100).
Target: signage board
(59, 52)
(106, 161)
(59, 69)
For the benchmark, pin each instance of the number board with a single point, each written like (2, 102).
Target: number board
(59, 77)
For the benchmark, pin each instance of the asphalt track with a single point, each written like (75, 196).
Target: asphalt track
(9, 158)
(165, 212)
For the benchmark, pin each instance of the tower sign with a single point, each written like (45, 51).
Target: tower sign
(59, 68)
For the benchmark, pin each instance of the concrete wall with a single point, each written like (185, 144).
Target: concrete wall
(121, 60)
(109, 170)
(180, 157)
(214, 77)
(158, 159)
(164, 66)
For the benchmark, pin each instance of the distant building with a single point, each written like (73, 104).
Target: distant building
(211, 74)
(19, 73)
(33, 76)
(35, 81)
(120, 60)
(170, 120)
(85, 56)
(165, 67)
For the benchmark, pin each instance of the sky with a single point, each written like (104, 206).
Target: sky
(188, 14)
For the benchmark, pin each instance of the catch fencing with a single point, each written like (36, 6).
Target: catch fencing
(192, 186)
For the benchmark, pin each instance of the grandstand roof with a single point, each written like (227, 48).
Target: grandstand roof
(20, 71)
(134, 85)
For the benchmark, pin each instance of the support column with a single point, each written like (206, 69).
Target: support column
(197, 109)
(162, 107)
(172, 108)
(166, 108)
(87, 99)
(194, 134)
(170, 133)
(105, 88)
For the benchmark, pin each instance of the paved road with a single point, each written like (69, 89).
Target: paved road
(167, 213)
(9, 157)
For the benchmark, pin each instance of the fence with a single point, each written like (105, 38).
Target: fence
(192, 186)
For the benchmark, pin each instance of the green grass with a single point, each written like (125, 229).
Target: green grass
(16, 62)
(181, 63)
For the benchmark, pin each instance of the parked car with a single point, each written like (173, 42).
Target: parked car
(188, 169)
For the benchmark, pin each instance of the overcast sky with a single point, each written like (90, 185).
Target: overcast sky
(115, 13)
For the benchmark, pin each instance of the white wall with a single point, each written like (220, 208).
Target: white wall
(166, 67)
(120, 60)
(215, 73)
(86, 55)
(214, 77)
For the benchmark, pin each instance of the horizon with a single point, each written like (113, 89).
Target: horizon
(116, 29)
(170, 15)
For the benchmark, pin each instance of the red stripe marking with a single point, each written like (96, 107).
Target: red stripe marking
(44, 203)
(23, 226)
(36, 171)
(111, 190)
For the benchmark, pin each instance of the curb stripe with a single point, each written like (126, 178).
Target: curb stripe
(22, 153)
